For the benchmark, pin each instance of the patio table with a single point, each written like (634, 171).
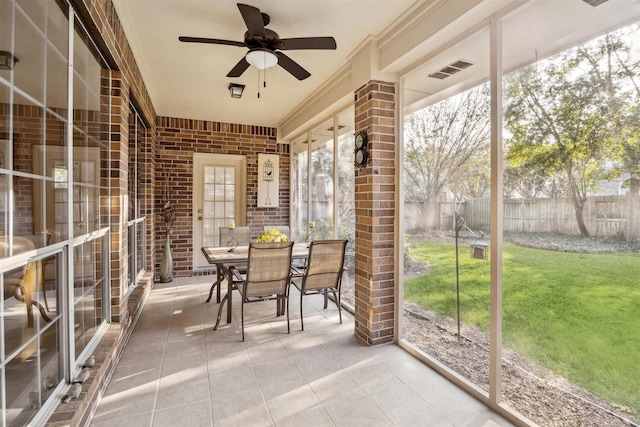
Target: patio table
(223, 257)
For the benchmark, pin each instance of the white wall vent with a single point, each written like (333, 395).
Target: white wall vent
(451, 69)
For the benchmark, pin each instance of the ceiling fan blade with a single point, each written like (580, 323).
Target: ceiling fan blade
(210, 41)
(253, 19)
(308, 43)
(240, 68)
(291, 66)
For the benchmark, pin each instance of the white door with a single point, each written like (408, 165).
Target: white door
(219, 198)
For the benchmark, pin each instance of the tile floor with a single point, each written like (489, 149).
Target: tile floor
(178, 371)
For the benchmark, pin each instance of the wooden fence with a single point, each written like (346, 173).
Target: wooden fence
(604, 216)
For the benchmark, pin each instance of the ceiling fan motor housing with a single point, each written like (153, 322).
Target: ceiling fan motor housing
(272, 42)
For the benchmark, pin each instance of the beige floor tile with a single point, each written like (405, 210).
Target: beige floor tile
(315, 416)
(270, 351)
(241, 409)
(176, 370)
(357, 411)
(454, 404)
(139, 420)
(192, 346)
(125, 404)
(178, 390)
(232, 381)
(196, 414)
(189, 367)
(289, 398)
(409, 369)
(140, 377)
(150, 353)
(371, 376)
(316, 365)
(277, 372)
(337, 386)
(404, 407)
(221, 361)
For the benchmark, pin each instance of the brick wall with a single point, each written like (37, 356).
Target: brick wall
(177, 140)
(119, 141)
(375, 214)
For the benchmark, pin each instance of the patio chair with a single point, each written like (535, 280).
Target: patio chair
(268, 276)
(299, 265)
(239, 237)
(22, 283)
(323, 274)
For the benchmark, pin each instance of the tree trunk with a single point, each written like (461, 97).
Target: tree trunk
(578, 205)
(578, 201)
(630, 233)
(431, 214)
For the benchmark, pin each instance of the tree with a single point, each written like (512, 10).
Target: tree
(520, 182)
(440, 141)
(615, 64)
(557, 121)
(571, 114)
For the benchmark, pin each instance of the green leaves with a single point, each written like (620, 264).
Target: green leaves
(575, 114)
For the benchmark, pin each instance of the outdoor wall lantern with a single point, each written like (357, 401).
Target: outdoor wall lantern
(7, 60)
(236, 90)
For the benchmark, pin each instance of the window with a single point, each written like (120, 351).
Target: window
(323, 186)
(139, 202)
(54, 205)
(504, 279)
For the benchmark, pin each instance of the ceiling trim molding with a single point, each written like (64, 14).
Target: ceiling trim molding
(412, 18)
(333, 92)
(411, 35)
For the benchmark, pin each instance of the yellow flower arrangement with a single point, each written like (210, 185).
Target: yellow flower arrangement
(272, 235)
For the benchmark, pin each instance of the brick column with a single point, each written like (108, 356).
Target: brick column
(119, 140)
(375, 214)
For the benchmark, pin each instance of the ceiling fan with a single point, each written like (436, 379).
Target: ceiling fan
(265, 46)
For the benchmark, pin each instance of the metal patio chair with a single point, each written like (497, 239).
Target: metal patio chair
(240, 236)
(323, 274)
(268, 276)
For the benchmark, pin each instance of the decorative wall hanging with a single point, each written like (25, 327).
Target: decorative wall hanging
(268, 180)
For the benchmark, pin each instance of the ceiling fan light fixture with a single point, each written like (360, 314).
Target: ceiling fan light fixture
(261, 58)
(236, 90)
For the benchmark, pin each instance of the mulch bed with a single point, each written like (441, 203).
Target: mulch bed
(537, 393)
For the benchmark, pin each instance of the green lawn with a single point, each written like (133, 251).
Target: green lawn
(577, 314)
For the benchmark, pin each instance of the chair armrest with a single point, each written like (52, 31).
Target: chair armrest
(236, 274)
(295, 272)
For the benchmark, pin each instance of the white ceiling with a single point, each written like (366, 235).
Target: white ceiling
(189, 80)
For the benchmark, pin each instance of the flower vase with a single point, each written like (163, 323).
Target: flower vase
(166, 265)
